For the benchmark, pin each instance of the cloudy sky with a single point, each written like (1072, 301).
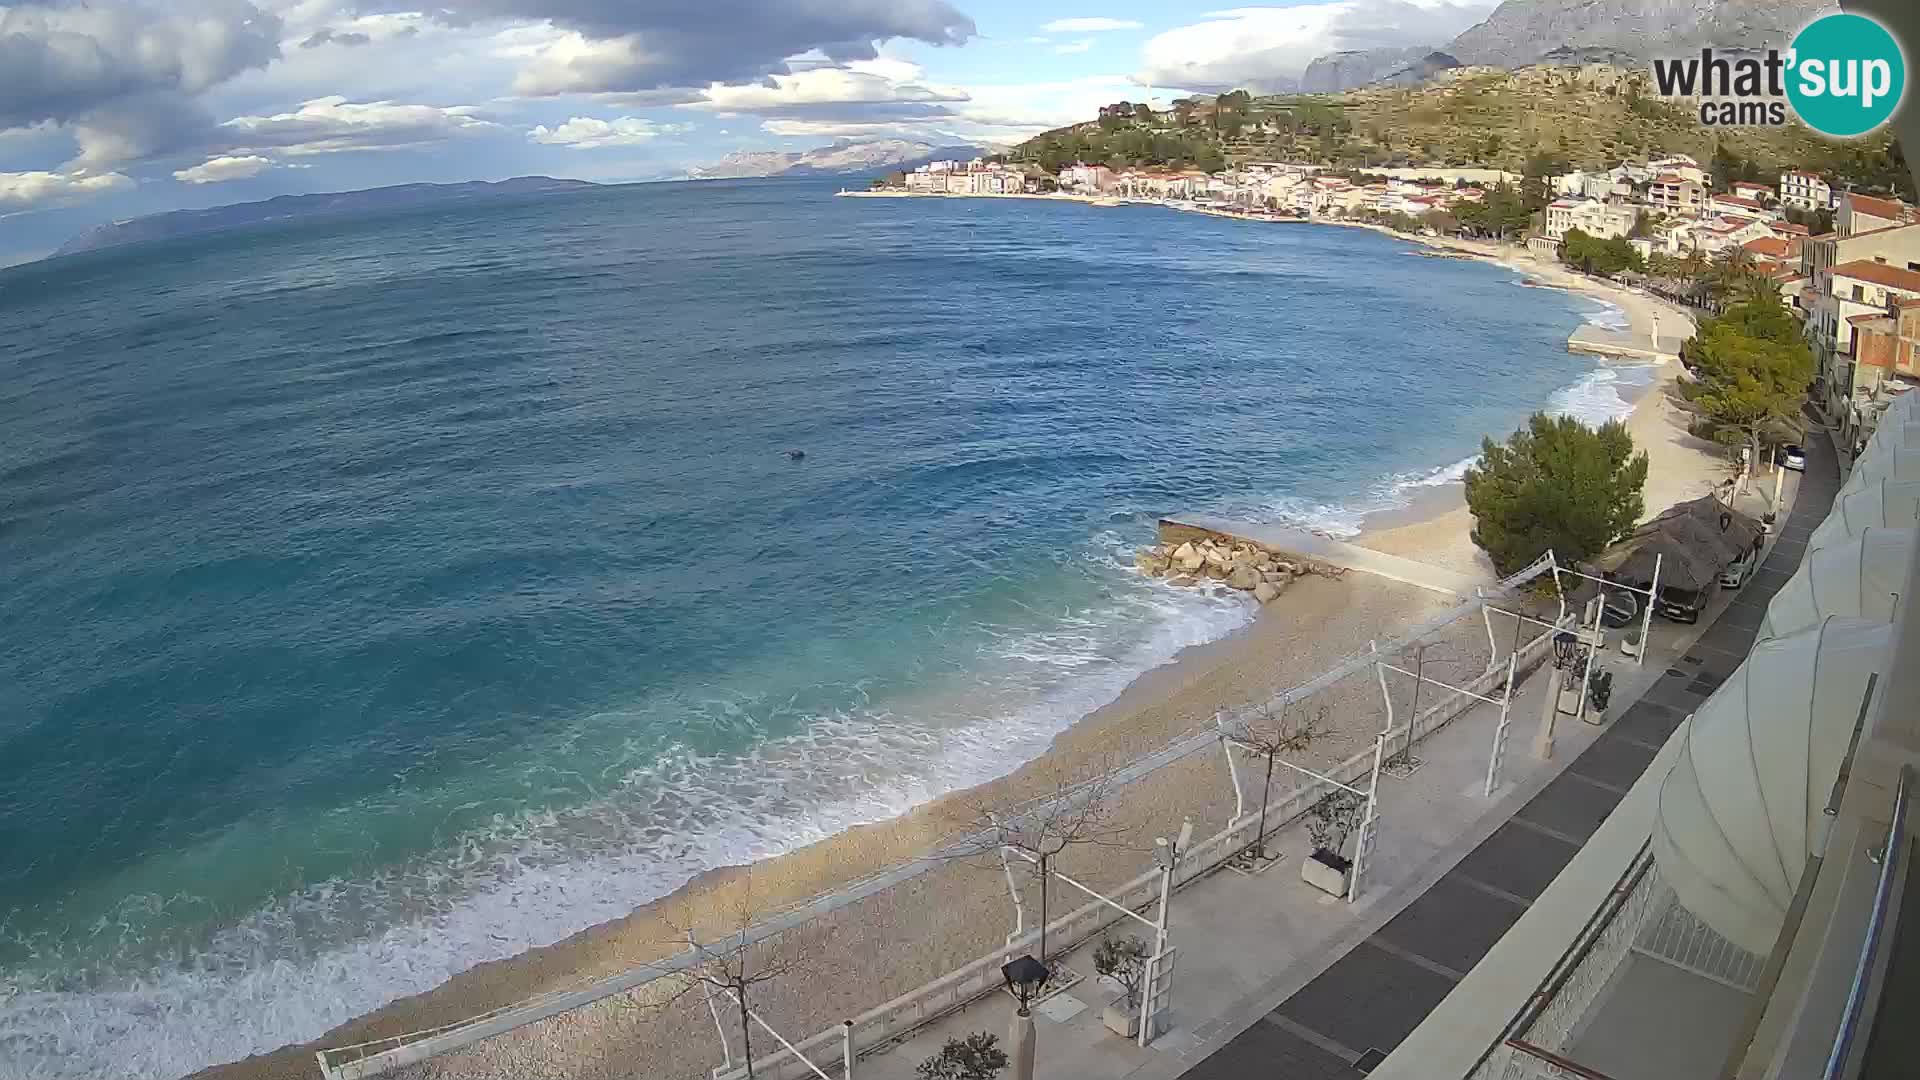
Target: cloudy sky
(114, 108)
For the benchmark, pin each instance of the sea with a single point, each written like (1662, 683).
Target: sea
(383, 596)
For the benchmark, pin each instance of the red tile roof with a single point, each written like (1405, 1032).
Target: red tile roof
(1892, 277)
(1771, 246)
(1891, 209)
(1738, 201)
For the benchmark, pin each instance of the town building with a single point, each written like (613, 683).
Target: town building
(1596, 219)
(1805, 191)
(1858, 213)
(1090, 179)
(1747, 189)
(1673, 193)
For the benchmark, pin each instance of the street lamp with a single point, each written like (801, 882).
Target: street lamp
(1025, 976)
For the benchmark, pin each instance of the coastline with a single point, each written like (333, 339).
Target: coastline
(1313, 625)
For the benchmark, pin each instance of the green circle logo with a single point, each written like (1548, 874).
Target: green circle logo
(1846, 75)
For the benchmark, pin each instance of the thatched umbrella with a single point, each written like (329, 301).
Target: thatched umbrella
(1740, 529)
(1631, 562)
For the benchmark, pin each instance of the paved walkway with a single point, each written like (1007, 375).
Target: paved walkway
(1352, 556)
(1348, 1018)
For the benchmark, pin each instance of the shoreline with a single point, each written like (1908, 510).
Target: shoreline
(1311, 627)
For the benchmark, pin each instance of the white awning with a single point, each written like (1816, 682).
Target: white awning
(1857, 577)
(1741, 810)
(1887, 504)
(1886, 463)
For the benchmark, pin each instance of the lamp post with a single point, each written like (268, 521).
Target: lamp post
(1024, 976)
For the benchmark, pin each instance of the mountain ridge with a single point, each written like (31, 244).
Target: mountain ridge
(845, 157)
(1622, 32)
(175, 223)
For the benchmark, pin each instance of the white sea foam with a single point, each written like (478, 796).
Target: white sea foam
(533, 879)
(1605, 393)
(1608, 316)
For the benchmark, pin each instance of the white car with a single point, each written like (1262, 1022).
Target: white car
(1735, 575)
(1794, 458)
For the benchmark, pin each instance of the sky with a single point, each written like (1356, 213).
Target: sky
(110, 109)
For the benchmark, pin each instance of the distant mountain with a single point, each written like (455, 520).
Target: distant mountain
(1522, 32)
(843, 158)
(289, 207)
(1339, 71)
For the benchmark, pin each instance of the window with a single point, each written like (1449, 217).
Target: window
(1859, 293)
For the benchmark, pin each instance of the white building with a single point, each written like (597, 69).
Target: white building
(1596, 219)
(1805, 191)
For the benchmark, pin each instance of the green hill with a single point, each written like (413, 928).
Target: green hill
(1594, 115)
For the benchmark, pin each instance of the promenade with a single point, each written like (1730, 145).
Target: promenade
(1276, 979)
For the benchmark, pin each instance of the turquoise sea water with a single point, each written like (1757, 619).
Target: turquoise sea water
(382, 597)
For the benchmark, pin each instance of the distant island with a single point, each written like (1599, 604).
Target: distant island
(843, 158)
(325, 204)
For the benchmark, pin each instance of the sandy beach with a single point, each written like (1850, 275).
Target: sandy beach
(878, 947)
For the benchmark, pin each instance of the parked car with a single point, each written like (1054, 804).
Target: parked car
(1793, 457)
(1682, 607)
(1735, 575)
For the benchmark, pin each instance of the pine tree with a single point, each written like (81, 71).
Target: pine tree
(1556, 485)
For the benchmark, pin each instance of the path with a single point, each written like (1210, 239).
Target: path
(1348, 1018)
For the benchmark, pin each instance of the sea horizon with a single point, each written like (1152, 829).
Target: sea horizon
(399, 595)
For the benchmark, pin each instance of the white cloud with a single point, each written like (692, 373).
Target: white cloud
(220, 170)
(1074, 46)
(1036, 40)
(1089, 26)
(333, 124)
(1268, 47)
(24, 189)
(827, 88)
(591, 133)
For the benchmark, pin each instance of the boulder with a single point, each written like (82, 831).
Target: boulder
(1215, 571)
(1243, 577)
(1266, 592)
(1185, 581)
(1187, 557)
(1217, 557)
(1151, 560)
(1285, 567)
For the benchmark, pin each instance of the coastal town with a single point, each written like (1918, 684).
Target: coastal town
(1846, 262)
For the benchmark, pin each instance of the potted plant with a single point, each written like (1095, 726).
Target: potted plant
(1329, 822)
(976, 1057)
(1630, 644)
(1124, 960)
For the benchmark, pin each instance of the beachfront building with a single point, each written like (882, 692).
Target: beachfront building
(1886, 359)
(1890, 247)
(1673, 193)
(1598, 219)
(1087, 179)
(1852, 290)
(1805, 191)
(1682, 166)
(1759, 193)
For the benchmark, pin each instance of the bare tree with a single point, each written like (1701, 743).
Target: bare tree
(1268, 735)
(738, 963)
(1076, 812)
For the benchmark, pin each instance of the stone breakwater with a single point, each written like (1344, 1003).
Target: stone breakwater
(1238, 564)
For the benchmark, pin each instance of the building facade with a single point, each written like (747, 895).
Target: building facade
(1805, 191)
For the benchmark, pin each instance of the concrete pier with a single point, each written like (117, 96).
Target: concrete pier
(1313, 546)
(1620, 345)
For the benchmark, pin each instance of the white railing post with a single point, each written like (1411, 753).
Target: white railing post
(1646, 617)
(1500, 732)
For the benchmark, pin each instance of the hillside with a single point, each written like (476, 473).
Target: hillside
(327, 204)
(1588, 115)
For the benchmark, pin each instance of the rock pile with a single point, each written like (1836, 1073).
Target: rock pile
(1235, 563)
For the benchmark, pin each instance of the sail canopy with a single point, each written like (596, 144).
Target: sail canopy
(1742, 808)
(1858, 577)
(1886, 462)
(1888, 504)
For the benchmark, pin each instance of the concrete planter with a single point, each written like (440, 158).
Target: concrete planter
(1122, 1019)
(1327, 872)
